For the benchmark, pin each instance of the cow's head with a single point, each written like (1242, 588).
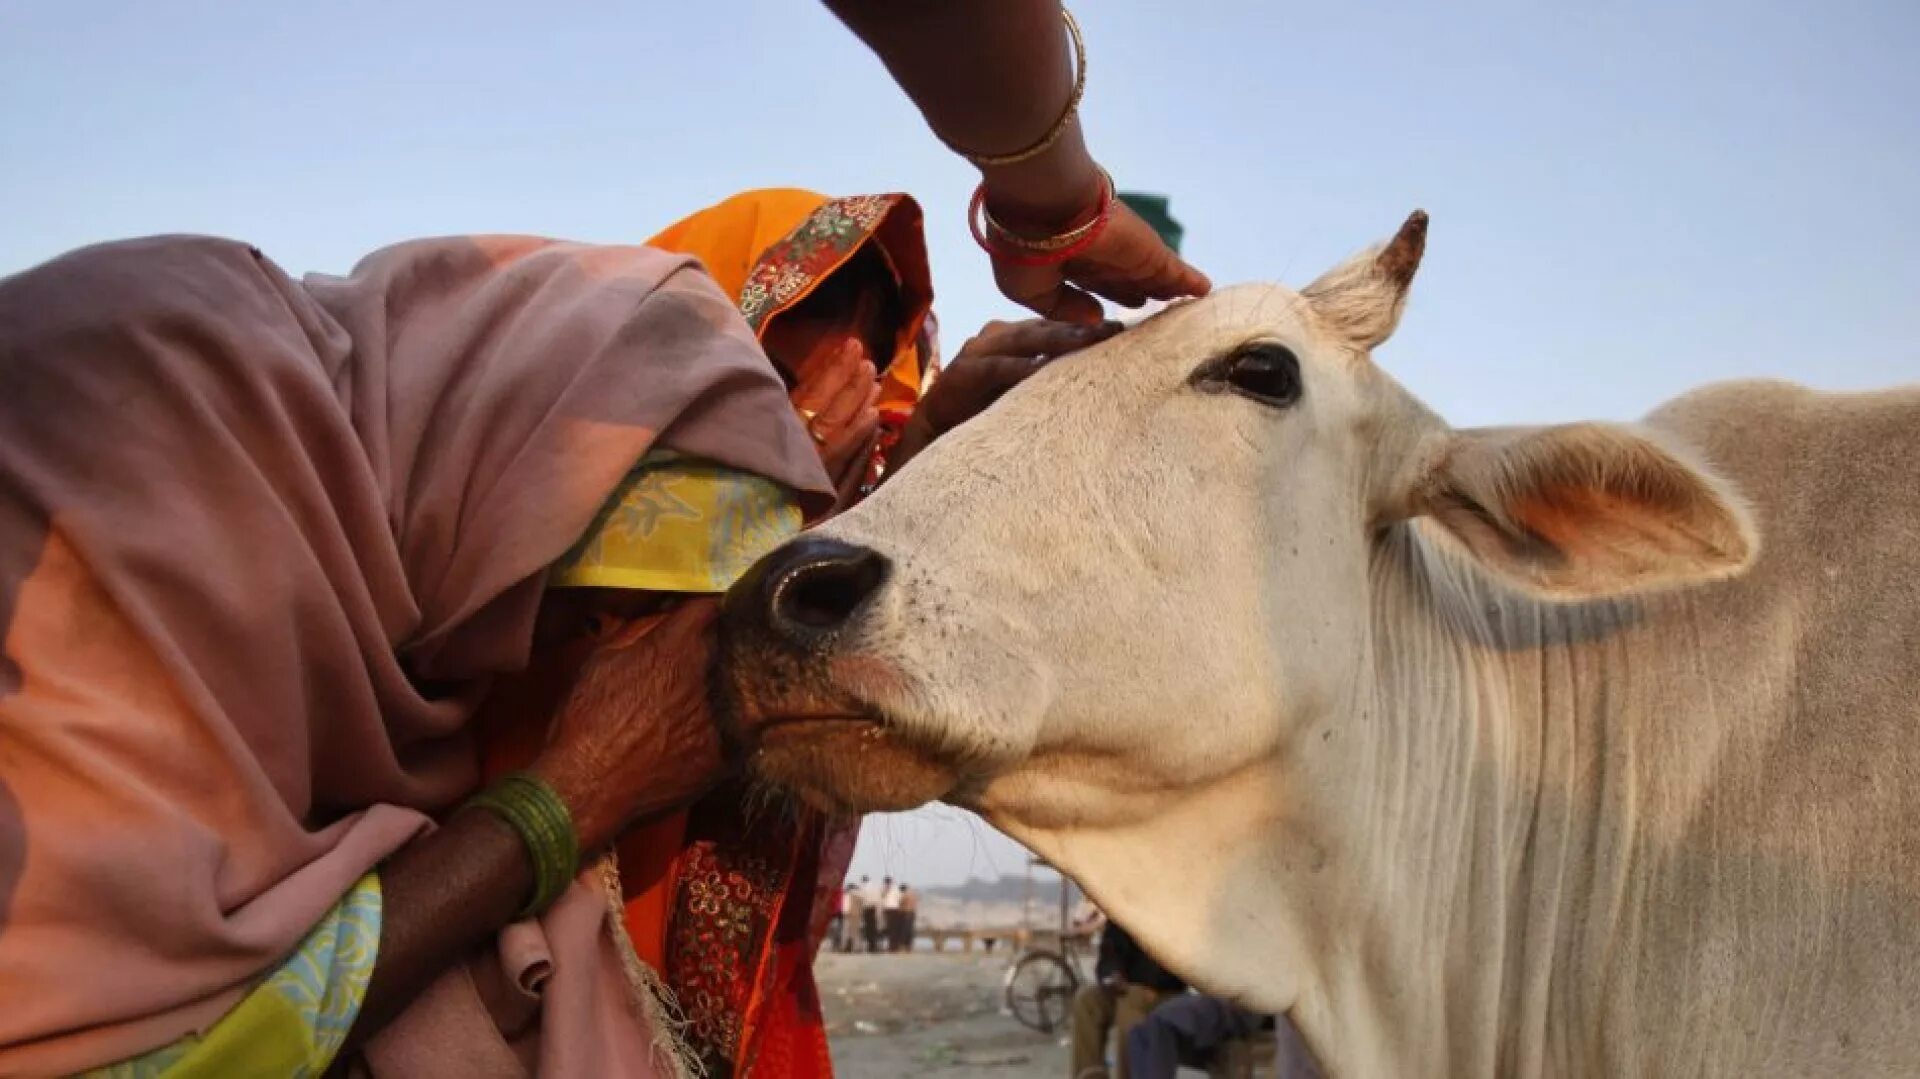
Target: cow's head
(1108, 612)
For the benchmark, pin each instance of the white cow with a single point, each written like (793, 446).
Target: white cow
(1485, 752)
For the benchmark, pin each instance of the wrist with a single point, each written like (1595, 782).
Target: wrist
(571, 775)
(530, 806)
(1048, 195)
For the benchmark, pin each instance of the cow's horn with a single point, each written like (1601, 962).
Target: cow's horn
(1401, 257)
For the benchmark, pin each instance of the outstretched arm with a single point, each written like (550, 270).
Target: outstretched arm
(993, 78)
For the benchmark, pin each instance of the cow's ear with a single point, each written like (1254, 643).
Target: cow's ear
(1360, 300)
(1583, 511)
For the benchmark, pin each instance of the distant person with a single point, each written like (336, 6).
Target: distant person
(1191, 1029)
(890, 915)
(1128, 985)
(870, 913)
(853, 906)
(909, 908)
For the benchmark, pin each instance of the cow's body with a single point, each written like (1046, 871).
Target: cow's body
(1729, 779)
(1548, 775)
(1672, 836)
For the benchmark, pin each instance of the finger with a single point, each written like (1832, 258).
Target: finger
(1042, 290)
(1073, 305)
(833, 374)
(695, 613)
(1038, 337)
(987, 379)
(870, 404)
(852, 393)
(1003, 373)
(855, 437)
(1164, 276)
(686, 624)
(984, 340)
(1178, 281)
(1125, 293)
(1126, 288)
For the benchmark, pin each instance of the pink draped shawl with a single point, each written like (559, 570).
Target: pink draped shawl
(262, 543)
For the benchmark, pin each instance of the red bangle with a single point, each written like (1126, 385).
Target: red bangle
(1003, 246)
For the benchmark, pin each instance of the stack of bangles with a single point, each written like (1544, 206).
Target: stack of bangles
(537, 815)
(1005, 245)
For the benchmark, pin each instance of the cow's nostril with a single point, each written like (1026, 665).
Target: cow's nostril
(820, 591)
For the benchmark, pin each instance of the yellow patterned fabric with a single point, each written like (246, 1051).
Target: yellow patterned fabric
(295, 1021)
(680, 524)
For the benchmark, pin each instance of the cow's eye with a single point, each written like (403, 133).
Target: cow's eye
(1264, 371)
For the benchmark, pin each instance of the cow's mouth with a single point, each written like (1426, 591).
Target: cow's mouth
(781, 726)
(847, 763)
(809, 710)
(808, 734)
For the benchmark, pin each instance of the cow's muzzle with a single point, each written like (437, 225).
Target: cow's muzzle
(795, 690)
(807, 592)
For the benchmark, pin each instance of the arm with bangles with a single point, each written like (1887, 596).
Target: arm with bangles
(995, 80)
(635, 737)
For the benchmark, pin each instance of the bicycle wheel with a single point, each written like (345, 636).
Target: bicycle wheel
(1040, 990)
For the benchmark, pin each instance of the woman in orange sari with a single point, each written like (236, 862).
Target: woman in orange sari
(729, 904)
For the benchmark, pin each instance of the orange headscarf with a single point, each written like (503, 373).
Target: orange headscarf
(771, 247)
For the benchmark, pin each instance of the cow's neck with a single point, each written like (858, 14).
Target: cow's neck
(1468, 812)
(1408, 874)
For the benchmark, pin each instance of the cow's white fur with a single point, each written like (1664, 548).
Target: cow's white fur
(1475, 750)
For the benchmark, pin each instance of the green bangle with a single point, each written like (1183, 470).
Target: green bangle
(537, 814)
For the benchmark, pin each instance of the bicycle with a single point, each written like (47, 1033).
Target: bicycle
(1040, 985)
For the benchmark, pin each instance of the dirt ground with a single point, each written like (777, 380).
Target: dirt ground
(893, 1016)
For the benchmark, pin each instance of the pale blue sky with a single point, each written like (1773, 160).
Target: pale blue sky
(1628, 198)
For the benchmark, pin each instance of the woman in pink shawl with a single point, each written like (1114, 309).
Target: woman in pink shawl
(262, 545)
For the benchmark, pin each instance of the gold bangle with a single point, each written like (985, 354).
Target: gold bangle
(1009, 237)
(1059, 127)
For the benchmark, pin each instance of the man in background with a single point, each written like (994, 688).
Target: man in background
(909, 907)
(1128, 985)
(890, 915)
(851, 905)
(1191, 1029)
(870, 913)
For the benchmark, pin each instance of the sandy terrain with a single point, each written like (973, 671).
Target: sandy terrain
(893, 1016)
